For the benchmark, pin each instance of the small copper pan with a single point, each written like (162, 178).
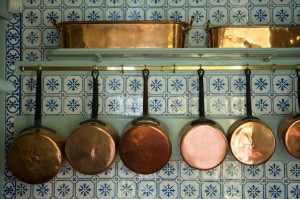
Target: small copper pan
(91, 148)
(145, 147)
(36, 155)
(251, 141)
(203, 144)
(289, 130)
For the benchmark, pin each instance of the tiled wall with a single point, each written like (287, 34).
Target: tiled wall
(28, 36)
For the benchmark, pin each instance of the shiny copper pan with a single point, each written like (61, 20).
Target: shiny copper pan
(145, 146)
(91, 148)
(251, 141)
(289, 129)
(37, 154)
(203, 144)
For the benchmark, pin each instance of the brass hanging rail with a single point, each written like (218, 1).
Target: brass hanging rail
(173, 68)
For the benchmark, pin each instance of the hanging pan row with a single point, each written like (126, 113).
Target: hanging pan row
(37, 154)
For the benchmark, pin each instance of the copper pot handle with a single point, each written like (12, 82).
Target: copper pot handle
(54, 23)
(146, 120)
(190, 24)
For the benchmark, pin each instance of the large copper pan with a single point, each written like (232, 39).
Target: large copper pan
(203, 144)
(91, 148)
(37, 154)
(251, 141)
(145, 146)
(122, 34)
(254, 36)
(289, 129)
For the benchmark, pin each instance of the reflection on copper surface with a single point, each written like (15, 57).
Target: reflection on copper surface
(252, 143)
(203, 146)
(292, 139)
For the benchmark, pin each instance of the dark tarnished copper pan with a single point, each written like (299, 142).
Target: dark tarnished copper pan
(36, 155)
(203, 144)
(251, 141)
(289, 130)
(91, 148)
(145, 146)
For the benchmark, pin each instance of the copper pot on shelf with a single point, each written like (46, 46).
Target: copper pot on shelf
(92, 146)
(289, 129)
(145, 146)
(203, 144)
(251, 141)
(37, 154)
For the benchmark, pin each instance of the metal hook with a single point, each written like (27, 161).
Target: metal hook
(122, 69)
(162, 69)
(274, 68)
(174, 68)
(40, 68)
(95, 68)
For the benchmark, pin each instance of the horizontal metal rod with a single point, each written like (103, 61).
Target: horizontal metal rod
(157, 68)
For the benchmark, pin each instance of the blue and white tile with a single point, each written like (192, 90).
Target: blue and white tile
(238, 105)
(29, 84)
(32, 37)
(63, 189)
(52, 84)
(114, 105)
(293, 190)
(176, 14)
(283, 105)
(282, 84)
(254, 172)
(51, 13)
(239, 16)
(274, 170)
(211, 190)
(218, 16)
(134, 85)
(147, 189)
(73, 105)
(176, 85)
(253, 190)
(200, 15)
(168, 189)
(157, 105)
(73, 15)
(197, 37)
(88, 84)
(88, 103)
(22, 190)
(189, 189)
(212, 174)
(93, 14)
(105, 189)
(260, 84)
(84, 189)
(157, 85)
(260, 2)
(275, 190)
(42, 190)
(232, 190)
(177, 105)
(127, 189)
(134, 105)
(28, 105)
(187, 172)
(232, 170)
(32, 55)
(282, 15)
(218, 2)
(261, 105)
(170, 170)
(53, 3)
(135, 14)
(238, 85)
(260, 15)
(31, 17)
(73, 84)
(114, 14)
(51, 37)
(193, 106)
(155, 14)
(114, 84)
(218, 84)
(218, 105)
(66, 171)
(293, 170)
(124, 172)
(52, 105)
(193, 84)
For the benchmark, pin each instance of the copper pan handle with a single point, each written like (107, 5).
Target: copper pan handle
(189, 27)
(38, 100)
(54, 23)
(145, 120)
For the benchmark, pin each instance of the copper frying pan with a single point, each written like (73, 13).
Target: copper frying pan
(289, 129)
(91, 148)
(251, 141)
(37, 154)
(145, 146)
(203, 144)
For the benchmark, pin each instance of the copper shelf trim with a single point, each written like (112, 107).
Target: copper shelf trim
(173, 68)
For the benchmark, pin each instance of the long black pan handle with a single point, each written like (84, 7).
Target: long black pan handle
(38, 100)
(248, 92)
(298, 84)
(145, 95)
(95, 102)
(201, 93)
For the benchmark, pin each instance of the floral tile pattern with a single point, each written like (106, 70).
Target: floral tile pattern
(31, 33)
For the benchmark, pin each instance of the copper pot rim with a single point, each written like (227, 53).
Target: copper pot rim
(123, 22)
(295, 122)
